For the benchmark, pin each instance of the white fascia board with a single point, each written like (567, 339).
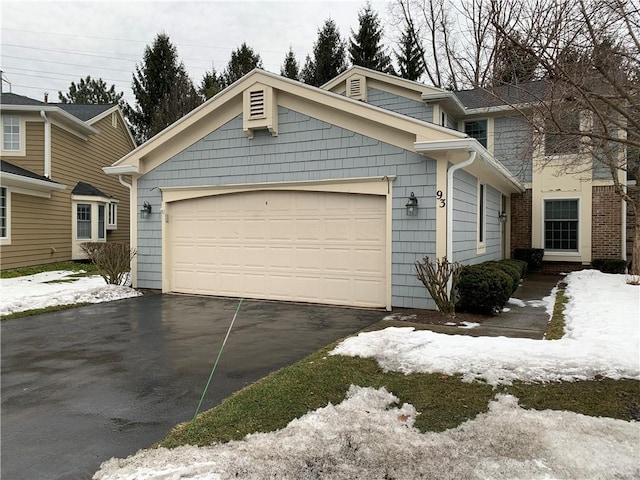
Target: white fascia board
(470, 145)
(90, 198)
(68, 121)
(121, 170)
(30, 186)
(447, 96)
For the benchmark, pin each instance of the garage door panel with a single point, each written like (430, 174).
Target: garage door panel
(304, 246)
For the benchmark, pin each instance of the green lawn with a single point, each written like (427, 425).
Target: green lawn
(443, 401)
(89, 269)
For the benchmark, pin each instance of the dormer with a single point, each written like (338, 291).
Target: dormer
(260, 110)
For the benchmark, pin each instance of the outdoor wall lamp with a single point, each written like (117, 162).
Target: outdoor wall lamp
(145, 211)
(502, 217)
(412, 206)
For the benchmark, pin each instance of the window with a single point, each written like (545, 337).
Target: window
(101, 224)
(4, 213)
(83, 221)
(112, 217)
(481, 212)
(444, 121)
(11, 133)
(477, 129)
(561, 225)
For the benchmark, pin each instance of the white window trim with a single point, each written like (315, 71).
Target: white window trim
(112, 225)
(6, 240)
(481, 216)
(463, 129)
(21, 152)
(561, 253)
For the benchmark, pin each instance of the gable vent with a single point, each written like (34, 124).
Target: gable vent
(355, 87)
(257, 104)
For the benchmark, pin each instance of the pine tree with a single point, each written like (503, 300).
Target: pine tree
(513, 63)
(163, 90)
(243, 60)
(290, 68)
(409, 59)
(329, 56)
(91, 91)
(365, 47)
(210, 85)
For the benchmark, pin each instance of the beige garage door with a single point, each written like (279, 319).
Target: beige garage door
(282, 245)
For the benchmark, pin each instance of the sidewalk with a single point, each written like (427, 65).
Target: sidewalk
(527, 319)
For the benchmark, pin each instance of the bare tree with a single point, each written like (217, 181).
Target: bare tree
(588, 53)
(460, 42)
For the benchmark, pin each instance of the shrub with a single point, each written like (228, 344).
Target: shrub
(436, 277)
(484, 289)
(521, 265)
(113, 259)
(510, 270)
(610, 265)
(533, 257)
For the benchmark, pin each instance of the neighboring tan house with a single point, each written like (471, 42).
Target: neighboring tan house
(53, 192)
(278, 190)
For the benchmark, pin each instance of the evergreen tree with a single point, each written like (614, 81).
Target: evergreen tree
(211, 84)
(365, 47)
(290, 68)
(243, 60)
(91, 91)
(154, 82)
(329, 56)
(513, 63)
(409, 58)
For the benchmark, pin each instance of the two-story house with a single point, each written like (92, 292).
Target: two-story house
(53, 192)
(278, 190)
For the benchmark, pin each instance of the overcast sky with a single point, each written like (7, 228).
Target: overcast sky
(47, 45)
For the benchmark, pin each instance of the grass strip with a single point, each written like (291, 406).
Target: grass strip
(443, 401)
(89, 269)
(555, 328)
(38, 311)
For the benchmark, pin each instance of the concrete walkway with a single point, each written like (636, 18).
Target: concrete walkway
(526, 317)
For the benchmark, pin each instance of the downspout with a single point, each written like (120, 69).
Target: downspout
(131, 206)
(132, 210)
(450, 172)
(47, 144)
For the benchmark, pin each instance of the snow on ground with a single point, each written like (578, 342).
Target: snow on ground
(36, 291)
(602, 325)
(369, 436)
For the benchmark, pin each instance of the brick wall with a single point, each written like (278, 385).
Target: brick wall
(606, 217)
(521, 219)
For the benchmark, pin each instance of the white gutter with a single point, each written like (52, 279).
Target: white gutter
(450, 172)
(47, 144)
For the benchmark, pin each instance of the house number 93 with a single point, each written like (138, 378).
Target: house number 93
(440, 198)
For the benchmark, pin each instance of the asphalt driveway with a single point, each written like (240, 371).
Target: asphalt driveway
(83, 385)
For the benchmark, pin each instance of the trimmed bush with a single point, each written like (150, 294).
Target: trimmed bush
(610, 265)
(484, 289)
(533, 257)
(510, 270)
(521, 265)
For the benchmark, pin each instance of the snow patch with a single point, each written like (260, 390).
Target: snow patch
(369, 436)
(517, 302)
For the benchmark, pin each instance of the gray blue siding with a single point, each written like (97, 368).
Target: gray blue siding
(513, 146)
(398, 104)
(305, 149)
(465, 224)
